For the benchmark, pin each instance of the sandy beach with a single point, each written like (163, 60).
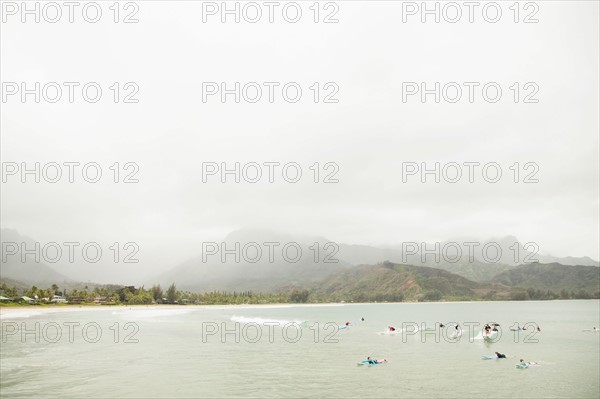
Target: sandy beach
(14, 312)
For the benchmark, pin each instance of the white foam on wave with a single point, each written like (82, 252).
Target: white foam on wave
(260, 320)
(491, 336)
(456, 334)
(278, 306)
(397, 332)
(150, 313)
(19, 315)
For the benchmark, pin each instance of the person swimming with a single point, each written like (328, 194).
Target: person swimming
(500, 355)
(391, 328)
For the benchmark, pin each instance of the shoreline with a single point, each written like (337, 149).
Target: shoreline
(27, 310)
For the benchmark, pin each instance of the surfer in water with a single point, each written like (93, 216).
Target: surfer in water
(391, 328)
(500, 355)
(487, 329)
(457, 332)
(374, 361)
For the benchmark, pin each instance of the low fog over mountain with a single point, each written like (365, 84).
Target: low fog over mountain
(259, 259)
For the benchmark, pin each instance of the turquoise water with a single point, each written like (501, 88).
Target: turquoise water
(177, 356)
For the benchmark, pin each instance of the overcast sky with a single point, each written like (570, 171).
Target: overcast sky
(369, 133)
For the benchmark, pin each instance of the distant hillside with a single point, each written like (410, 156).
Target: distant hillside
(396, 282)
(473, 269)
(7, 284)
(10, 283)
(569, 260)
(213, 274)
(30, 271)
(384, 282)
(512, 253)
(263, 275)
(479, 278)
(554, 276)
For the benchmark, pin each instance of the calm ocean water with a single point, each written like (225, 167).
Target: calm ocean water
(182, 352)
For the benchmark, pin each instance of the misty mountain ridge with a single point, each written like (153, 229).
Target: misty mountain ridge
(195, 274)
(30, 271)
(256, 260)
(273, 268)
(44, 273)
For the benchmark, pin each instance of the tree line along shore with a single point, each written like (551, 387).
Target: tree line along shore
(130, 295)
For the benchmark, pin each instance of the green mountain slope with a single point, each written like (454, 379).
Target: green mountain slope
(396, 282)
(552, 276)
